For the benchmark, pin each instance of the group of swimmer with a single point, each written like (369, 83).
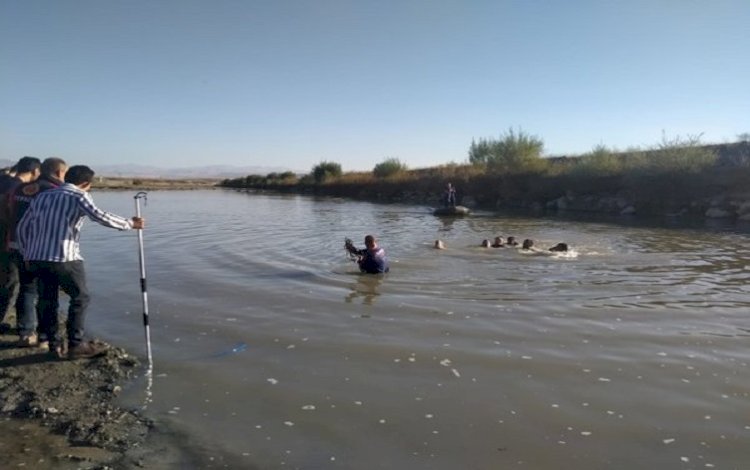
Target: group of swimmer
(372, 258)
(527, 245)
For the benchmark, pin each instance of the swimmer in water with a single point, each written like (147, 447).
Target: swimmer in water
(560, 247)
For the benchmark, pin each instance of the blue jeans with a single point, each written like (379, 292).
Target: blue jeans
(71, 278)
(27, 314)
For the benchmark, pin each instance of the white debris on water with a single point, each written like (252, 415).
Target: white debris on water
(272, 381)
(526, 357)
(685, 459)
(308, 407)
(291, 346)
(288, 423)
(668, 441)
(429, 416)
(662, 354)
(555, 405)
(382, 421)
(586, 433)
(358, 403)
(445, 362)
(604, 379)
(456, 373)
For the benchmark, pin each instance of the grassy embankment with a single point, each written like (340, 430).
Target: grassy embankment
(675, 176)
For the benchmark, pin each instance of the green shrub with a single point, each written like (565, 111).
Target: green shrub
(326, 170)
(514, 152)
(680, 154)
(601, 161)
(389, 167)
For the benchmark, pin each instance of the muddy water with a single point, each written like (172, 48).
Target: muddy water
(271, 350)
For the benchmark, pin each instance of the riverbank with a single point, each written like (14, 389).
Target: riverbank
(152, 184)
(62, 414)
(583, 184)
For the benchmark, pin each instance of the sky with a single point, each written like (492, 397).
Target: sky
(291, 83)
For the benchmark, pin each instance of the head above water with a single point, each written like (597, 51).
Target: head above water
(560, 247)
(527, 244)
(511, 241)
(486, 243)
(439, 245)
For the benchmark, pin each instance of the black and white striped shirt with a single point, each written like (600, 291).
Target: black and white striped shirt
(51, 227)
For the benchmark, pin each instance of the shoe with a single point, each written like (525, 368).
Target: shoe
(28, 341)
(56, 353)
(43, 345)
(86, 350)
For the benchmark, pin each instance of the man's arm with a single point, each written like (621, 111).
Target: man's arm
(86, 203)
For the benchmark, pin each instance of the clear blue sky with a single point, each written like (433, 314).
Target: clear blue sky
(292, 83)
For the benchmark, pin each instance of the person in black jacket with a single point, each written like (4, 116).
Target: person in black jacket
(26, 170)
(28, 315)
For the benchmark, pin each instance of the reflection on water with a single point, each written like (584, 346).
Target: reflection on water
(365, 288)
(270, 347)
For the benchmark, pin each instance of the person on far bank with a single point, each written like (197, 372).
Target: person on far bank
(371, 259)
(26, 170)
(449, 196)
(27, 313)
(48, 237)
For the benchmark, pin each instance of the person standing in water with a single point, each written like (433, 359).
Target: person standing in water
(371, 259)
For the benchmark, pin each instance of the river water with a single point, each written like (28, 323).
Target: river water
(272, 351)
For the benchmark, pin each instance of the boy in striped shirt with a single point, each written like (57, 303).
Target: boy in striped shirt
(48, 237)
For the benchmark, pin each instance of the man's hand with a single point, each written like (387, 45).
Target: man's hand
(138, 222)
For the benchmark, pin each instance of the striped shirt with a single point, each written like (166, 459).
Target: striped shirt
(51, 227)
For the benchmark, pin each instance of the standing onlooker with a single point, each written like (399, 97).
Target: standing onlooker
(449, 197)
(28, 315)
(26, 170)
(48, 237)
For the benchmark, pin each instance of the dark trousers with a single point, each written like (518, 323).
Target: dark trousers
(28, 317)
(8, 282)
(71, 278)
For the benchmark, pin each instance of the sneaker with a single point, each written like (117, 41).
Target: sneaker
(28, 341)
(86, 350)
(43, 345)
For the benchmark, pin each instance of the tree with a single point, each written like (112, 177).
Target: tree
(326, 170)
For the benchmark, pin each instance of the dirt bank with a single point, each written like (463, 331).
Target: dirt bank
(61, 414)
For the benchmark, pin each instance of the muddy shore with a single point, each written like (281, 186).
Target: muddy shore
(64, 414)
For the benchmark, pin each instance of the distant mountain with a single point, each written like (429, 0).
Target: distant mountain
(146, 171)
(213, 171)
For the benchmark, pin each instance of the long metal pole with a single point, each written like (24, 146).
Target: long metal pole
(138, 197)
